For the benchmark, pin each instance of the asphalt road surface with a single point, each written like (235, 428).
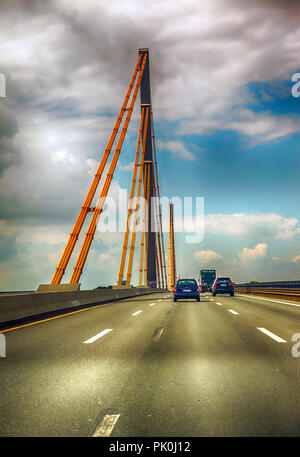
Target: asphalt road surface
(148, 367)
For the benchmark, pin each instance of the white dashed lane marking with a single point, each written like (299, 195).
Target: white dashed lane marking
(271, 335)
(136, 313)
(106, 426)
(99, 335)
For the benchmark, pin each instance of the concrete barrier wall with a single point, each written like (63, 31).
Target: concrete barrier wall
(21, 306)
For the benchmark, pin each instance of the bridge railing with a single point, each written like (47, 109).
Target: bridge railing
(290, 288)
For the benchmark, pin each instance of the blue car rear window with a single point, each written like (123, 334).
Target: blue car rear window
(186, 283)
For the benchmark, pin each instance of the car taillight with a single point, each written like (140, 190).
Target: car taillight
(197, 289)
(175, 289)
(231, 284)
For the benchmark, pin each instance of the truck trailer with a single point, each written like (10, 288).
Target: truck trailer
(206, 280)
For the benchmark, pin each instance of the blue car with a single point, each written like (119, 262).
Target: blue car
(223, 286)
(186, 288)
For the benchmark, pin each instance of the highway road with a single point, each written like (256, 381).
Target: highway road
(148, 367)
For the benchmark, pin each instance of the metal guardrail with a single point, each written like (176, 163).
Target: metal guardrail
(290, 288)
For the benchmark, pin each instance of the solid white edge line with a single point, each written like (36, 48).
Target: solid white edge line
(136, 313)
(106, 426)
(99, 335)
(268, 299)
(271, 335)
(221, 304)
(232, 311)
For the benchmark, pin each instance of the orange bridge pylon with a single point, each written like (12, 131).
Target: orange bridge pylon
(171, 257)
(152, 254)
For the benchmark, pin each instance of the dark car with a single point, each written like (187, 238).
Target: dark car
(223, 286)
(186, 288)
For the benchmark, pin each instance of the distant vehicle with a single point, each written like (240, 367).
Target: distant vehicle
(186, 288)
(223, 285)
(206, 280)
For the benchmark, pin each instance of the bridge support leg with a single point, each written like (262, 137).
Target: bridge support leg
(171, 263)
(145, 94)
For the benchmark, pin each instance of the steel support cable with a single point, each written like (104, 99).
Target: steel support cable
(157, 234)
(171, 262)
(77, 270)
(137, 203)
(169, 252)
(59, 272)
(173, 249)
(157, 264)
(147, 224)
(157, 230)
(126, 235)
(142, 247)
(162, 251)
(158, 195)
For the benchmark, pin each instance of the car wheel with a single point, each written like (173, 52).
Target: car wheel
(231, 294)
(198, 299)
(214, 295)
(174, 299)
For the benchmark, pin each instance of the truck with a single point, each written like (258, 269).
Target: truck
(206, 280)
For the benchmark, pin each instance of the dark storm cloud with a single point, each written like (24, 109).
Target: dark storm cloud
(287, 6)
(40, 86)
(9, 153)
(110, 40)
(8, 123)
(27, 6)
(68, 64)
(75, 58)
(94, 36)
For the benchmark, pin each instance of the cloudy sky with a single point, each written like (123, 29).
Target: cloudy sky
(226, 124)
